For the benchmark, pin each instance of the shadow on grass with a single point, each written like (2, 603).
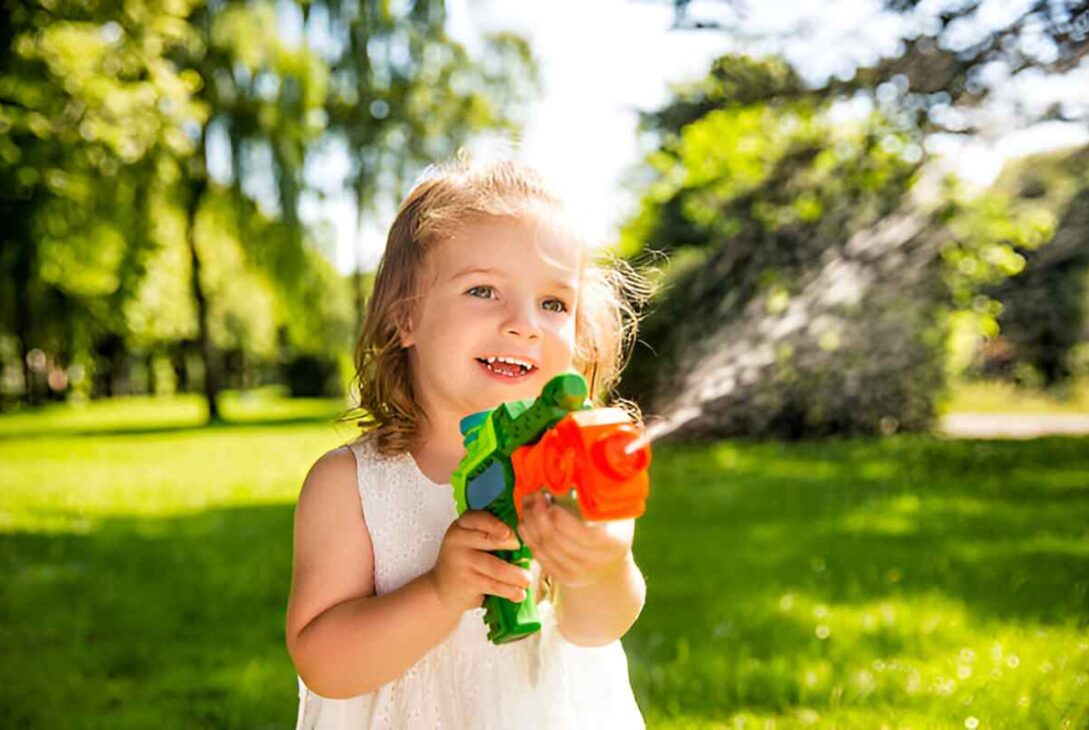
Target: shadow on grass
(165, 622)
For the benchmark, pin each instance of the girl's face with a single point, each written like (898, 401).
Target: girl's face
(499, 288)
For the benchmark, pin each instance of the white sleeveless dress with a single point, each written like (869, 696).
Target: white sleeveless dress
(465, 681)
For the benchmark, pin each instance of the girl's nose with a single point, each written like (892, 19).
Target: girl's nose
(522, 321)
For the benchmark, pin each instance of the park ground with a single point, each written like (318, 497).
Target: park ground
(911, 581)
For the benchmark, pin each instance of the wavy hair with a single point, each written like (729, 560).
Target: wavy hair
(447, 196)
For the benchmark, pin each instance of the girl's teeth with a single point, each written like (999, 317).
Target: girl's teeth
(488, 364)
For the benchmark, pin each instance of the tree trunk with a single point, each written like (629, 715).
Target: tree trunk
(23, 266)
(198, 185)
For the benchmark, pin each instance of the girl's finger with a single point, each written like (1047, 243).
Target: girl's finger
(494, 587)
(597, 536)
(574, 562)
(502, 571)
(550, 567)
(529, 536)
(485, 531)
(536, 517)
(580, 562)
(481, 541)
(571, 529)
(553, 553)
(482, 521)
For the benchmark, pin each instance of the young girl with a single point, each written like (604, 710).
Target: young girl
(483, 294)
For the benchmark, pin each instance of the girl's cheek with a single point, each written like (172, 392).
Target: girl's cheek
(568, 335)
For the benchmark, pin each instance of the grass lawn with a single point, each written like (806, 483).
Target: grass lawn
(908, 582)
(1004, 397)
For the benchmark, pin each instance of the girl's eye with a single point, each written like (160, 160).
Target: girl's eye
(552, 305)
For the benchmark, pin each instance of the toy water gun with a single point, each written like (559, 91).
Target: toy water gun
(594, 462)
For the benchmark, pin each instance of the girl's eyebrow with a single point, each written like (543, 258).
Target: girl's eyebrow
(484, 270)
(475, 270)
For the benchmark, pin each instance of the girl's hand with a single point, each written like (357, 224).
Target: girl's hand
(465, 571)
(574, 552)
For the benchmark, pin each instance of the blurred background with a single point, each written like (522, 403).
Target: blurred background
(866, 366)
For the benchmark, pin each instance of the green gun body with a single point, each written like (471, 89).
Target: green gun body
(484, 480)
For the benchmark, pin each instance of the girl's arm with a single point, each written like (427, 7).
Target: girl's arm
(600, 612)
(343, 639)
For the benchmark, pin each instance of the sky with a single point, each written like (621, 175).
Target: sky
(602, 61)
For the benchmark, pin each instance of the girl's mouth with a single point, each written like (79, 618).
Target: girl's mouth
(506, 370)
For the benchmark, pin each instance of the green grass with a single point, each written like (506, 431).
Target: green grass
(1004, 397)
(143, 414)
(911, 582)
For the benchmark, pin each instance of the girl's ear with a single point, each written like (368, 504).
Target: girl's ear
(404, 334)
(404, 330)
(404, 316)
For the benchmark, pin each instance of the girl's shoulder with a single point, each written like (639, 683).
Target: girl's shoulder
(350, 461)
(355, 468)
(366, 451)
(341, 464)
(334, 472)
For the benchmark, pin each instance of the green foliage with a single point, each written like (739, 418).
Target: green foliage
(107, 115)
(1045, 306)
(996, 396)
(987, 237)
(767, 166)
(1017, 259)
(753, 172)
(82, 102)
(948, 62)
(308, 376)
(784, 207)
(733, 81)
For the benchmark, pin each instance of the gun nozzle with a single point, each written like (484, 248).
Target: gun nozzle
(625, 453)
(637, 445)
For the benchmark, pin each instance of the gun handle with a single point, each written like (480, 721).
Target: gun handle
(509, 621)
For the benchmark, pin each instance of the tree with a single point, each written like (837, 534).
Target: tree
(1044, 305)
(83, 107)
(778, 317)
(811, 292)
(404, 94)
(107, 114)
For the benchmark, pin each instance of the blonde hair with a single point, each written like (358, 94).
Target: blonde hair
(611, 293)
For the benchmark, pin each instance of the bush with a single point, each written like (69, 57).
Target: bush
(313, 376)
(851, 346)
